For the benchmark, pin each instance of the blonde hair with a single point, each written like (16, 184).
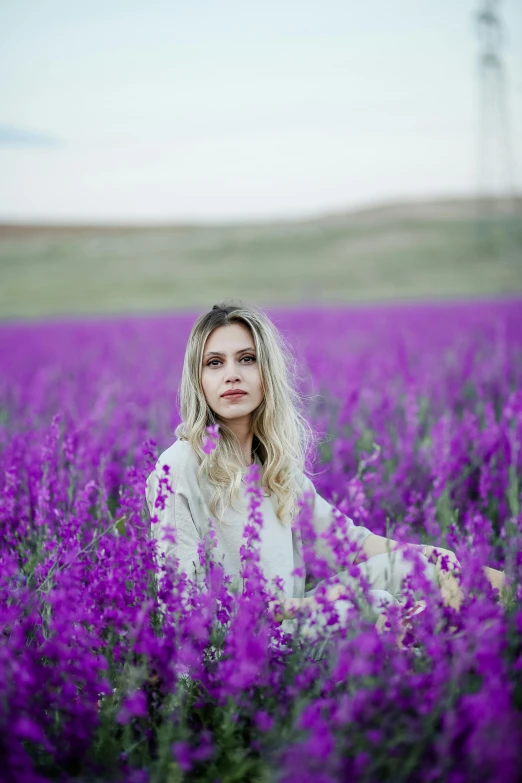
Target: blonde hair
(282, 436)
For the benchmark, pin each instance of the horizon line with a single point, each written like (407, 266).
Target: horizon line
(374, 205)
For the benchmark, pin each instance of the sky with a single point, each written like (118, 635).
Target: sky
(235, 110)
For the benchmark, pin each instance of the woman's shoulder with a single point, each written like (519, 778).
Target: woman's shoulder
(180, 457)
(179, 463)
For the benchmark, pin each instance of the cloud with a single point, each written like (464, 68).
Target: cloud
(10, 136)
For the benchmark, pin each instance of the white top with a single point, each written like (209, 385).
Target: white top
(187, 511)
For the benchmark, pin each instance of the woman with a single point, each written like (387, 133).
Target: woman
(237, 373)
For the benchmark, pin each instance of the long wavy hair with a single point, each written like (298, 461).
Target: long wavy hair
(282, 438)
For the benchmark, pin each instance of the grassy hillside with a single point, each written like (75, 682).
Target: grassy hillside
(417, 250)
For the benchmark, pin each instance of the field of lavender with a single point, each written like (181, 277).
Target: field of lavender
(112, 669)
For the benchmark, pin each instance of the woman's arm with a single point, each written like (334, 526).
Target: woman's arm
(372, 545)
(322, 517)
(378, 545)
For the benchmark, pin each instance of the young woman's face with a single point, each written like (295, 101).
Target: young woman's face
(230, 365)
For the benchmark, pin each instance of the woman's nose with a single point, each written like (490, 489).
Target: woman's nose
(232, 374)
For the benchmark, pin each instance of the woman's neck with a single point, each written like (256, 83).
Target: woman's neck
(243, 432)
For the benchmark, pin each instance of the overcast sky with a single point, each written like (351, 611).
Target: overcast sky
(223, 110)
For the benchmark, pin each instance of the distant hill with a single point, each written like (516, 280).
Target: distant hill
(421, 249)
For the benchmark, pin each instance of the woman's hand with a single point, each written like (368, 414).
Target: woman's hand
(289, 607)
(437, 553)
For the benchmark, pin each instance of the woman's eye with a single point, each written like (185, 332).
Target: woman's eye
(217, 362)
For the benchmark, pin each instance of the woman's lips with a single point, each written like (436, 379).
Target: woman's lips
(233, 395)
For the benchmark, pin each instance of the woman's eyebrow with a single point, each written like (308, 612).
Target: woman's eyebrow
(219, 353)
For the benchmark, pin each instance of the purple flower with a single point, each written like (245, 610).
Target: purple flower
(210, 441)
(263, 721)
(420, 416)
(134, 706)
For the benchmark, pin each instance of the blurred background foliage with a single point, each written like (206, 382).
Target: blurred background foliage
(420, 250)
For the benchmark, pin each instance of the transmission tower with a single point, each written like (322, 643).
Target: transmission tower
(495, 165)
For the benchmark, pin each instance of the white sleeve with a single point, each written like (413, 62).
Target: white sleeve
(175, 531)
(322, 518)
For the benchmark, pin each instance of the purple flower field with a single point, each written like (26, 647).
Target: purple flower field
(114, 668)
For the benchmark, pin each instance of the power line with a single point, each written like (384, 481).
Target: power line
(495, 167)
